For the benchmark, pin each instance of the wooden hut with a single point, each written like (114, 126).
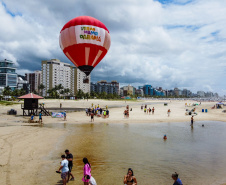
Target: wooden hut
(30, 105)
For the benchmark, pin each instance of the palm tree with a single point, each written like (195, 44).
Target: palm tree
(7, 91)
(22, 92)
(80, 94)
(16, 92)
(41, 87)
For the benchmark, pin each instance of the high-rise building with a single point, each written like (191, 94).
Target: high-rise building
(8, 75)
(34, 79)
(55, 72)
(201, 94)
(22, 83)
(127, 90)
(104, 86)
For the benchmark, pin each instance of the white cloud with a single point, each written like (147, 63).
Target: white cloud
(163, 45)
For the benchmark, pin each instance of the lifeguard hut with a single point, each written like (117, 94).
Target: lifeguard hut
(31, 105)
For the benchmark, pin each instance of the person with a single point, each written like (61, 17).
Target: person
(92, 104)
(106, 107)
(92, 181)
(164, 137)
(149, 110)
(60, 105)
(107, 113)
(177, 181)
(86, 171)
(69, 157)
(32, 118)
(144, 110)
(130, 179)
(65, 115)
(192, 120)
(64, 169)
(40, 117)
(153, 110)
(125, 113)
(168, 112)
(92, 116)
(87, 112)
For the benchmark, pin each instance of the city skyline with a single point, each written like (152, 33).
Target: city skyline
(176, 43)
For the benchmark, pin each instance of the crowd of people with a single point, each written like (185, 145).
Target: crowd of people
(97, 111)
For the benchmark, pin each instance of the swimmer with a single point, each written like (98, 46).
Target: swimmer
(177, 181)
(202, 125)
(164, 137)
(130, 179)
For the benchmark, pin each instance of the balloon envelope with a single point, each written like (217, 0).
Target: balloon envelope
(85, 41)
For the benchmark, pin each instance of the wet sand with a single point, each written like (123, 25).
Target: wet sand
(28, 152)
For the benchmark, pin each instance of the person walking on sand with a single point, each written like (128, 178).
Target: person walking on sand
(40, 117)
(149, 110)
(177, 181)
(192, 120)
(64, 169)
(65, 115)
(168, 112)
(130, 179)
(69, 157)
(153, 110)
(86, 171)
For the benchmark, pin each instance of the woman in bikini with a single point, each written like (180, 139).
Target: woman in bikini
(130, 179)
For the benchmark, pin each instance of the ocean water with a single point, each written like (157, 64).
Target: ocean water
(198, 154)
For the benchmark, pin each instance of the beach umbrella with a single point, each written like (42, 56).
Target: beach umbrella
(85, 41)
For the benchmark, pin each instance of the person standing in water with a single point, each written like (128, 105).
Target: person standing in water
(192, 120)
(86, 171)
(69, 157)
(177, 181)
(130, 179)
(64, 169)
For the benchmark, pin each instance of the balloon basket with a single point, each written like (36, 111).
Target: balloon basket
(86, 80)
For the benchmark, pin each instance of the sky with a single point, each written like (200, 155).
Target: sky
(163, 43)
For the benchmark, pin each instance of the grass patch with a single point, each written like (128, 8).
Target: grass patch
(7, 103)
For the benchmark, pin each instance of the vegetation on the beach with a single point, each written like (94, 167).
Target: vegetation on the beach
(7, 103)
(17, 92)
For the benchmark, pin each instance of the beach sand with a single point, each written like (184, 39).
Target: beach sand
(29, 150)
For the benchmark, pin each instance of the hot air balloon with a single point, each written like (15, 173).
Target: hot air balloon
(85, 41)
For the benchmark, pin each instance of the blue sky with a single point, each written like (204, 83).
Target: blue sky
(163, 43)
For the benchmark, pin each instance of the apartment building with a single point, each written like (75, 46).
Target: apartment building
(104, 86)
(34, 79)
(8, 75)
(55, 72)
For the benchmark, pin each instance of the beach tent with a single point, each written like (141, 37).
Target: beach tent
(219, 105)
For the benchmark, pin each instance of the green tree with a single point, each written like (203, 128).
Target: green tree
(87, 96)
(41, 87)
(53, 93)
(80, 94)
(7, 91)
(16, 92)
(22, 92)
